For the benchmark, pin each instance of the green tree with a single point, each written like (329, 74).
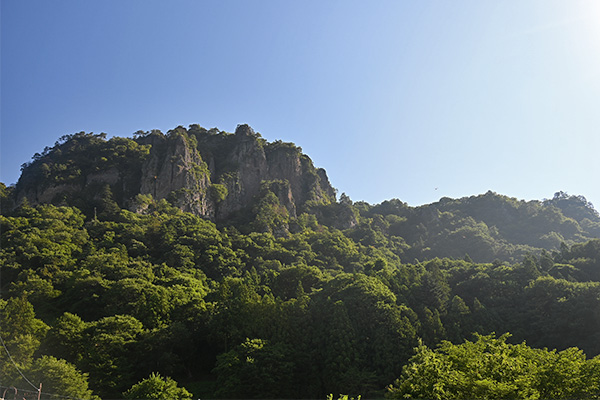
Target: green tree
(341, 370)
(111, 355)
(139, 298)
(6, 198)
(384, 331)
(271, 215)
(59, 379)
(65, 338)
(491, 368)
(157, 387)
(21, 333)
(255, 369)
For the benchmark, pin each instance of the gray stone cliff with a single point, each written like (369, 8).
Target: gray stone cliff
(205, 172)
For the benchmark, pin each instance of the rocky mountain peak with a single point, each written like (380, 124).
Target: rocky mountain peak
(209, 173)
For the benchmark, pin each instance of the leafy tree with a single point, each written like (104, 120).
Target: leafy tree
(341, 369)
(66, 338)
(85, 295)
(59, 379)
(21, 334)
(385, 332)
(434, 291)
(492, 368)
(218, 192)
(254, 369)
(342, 397)
(6, 198)
(432, 329)
(271, 215)
(232, 314)
(286, 282)
(110, 352)
(141, 299)
(560, 313)
(458, 322)
(157, 387)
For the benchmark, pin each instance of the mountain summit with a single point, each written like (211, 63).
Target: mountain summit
(210, 173)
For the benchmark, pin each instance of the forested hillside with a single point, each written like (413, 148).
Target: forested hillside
(203, 264)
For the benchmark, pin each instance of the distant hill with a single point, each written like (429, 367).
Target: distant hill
(487, 227)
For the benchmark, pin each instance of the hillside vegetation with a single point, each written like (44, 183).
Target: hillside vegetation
(204, 264)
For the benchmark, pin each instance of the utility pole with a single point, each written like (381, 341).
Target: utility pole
(40, 391)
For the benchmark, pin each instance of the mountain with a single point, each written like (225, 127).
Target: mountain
(242, 179)
(488, 226)
(208, 173)
(224, 263)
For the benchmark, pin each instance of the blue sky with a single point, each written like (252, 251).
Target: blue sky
(413, 100)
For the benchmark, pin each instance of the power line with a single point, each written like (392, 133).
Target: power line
(37, 390)
(15, 364)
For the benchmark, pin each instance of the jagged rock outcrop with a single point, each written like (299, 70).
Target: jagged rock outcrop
(206, 172)
(251, 160)
(175, 170)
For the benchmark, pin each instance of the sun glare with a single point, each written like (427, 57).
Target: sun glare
(591, 12)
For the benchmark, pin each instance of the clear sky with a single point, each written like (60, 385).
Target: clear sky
(413, 100)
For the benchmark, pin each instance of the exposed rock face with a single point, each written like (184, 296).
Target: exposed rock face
(255, 162)
(175, 170)
(247, 169)
(47, 194)
(208, 173)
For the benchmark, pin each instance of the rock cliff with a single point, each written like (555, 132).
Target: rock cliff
(209, 173)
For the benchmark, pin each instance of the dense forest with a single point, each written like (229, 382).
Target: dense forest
(262, 284)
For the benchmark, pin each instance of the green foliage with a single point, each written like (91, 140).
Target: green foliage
(75, 158)
(157, 387)
(137, 297)
(556, 306)
(21, 334)
(66, 338)
(336, 311)
(488, 226)
(492, 368)
(218, 192)
(280, 302)
(110, 352)
(6, 198)
(342, 397)
(254, 369)
(271, 215)
(59, 378)
(576, 207)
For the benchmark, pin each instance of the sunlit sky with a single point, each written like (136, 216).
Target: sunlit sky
(414, 100)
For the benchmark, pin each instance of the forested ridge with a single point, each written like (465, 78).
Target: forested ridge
(267, 286)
